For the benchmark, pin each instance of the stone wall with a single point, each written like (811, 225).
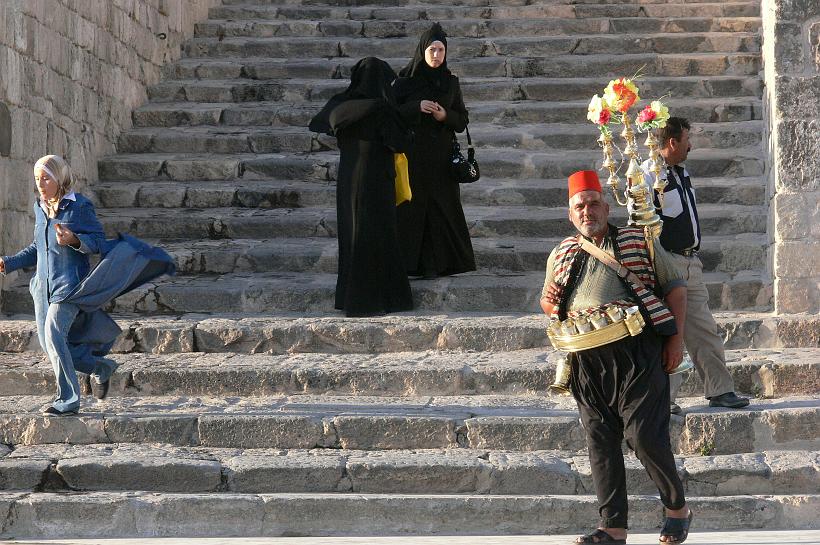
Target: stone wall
(71, 72)
(792, 72)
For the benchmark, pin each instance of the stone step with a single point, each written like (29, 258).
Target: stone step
(45, 515)
(251, 22)
(729, 254)
(300, 194)
(322, 166)
(512, 423)
(284, 333)
(465, 48)
(483, 221)
(704, 65)
(536, 137)
(482, 291)
(240, 9)
(125, 467)
(279, 114)
(245, 89)
(758, 372)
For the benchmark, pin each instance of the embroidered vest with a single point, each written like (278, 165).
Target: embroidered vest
(631, 251)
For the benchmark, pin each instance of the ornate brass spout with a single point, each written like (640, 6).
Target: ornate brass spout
(562, 375)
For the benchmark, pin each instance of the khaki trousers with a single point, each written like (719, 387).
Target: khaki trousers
(700, 334)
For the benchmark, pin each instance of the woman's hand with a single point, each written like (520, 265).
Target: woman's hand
(433, 108)
(2, 266)
(428, 106)
(66, 237)
(440, 114)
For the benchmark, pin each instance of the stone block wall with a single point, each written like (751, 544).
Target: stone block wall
(792, 73)
(71, 72)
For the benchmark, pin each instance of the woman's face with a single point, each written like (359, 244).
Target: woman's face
(434, 54)
(46, 185)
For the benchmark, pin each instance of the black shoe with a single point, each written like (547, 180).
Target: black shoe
(101, 378)
(729, 400)
(100, 390)
(53, 411)
(674, 408)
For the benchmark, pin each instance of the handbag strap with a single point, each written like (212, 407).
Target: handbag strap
(622, 271)
(469, 139)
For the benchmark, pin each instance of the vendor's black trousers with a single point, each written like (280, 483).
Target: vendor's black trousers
(623, 391)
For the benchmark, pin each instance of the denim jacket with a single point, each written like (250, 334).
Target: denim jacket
(60, 268)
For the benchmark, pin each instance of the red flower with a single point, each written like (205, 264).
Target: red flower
(604, 118)
(647, 115)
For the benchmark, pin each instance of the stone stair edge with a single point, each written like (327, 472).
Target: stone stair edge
(110, 467)
(456, 39)
(428, 422)
(50, 515)
(279, 333)
(762, 373)
(702, 155)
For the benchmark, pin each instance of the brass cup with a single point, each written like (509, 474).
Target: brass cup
(560, 385)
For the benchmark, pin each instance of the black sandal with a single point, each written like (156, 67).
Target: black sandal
(677, 529)
(600, 537)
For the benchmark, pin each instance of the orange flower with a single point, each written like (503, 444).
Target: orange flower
(621, 94)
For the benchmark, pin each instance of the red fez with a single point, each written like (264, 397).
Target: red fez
(584, 180)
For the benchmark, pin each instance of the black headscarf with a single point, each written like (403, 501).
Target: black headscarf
(438, 77)
(371, 85)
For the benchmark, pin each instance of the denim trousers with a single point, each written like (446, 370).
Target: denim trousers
(53, 326)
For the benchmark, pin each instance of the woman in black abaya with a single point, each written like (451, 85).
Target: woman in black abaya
(432, 229)
(364, 120)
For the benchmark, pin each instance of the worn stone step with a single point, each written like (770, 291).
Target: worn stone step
(284, 333)
(555, 66)
(299, 194)
(158, 468)
(758, 372)
(243, 89)
(322, 166)
(483, 221)
(283, 114)
(720, 253)
(514, 423)
(267, 23)
(482, 291)
(238, 10)
(148, 514)
(464, 48)
(536, 137)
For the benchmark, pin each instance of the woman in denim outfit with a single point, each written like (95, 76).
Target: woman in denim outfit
(66, 232)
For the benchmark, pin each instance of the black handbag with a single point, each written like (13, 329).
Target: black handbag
(464, 171)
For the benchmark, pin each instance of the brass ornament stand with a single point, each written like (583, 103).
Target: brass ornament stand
(637, 196)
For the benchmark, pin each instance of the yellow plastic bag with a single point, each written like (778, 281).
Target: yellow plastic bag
(403, 192)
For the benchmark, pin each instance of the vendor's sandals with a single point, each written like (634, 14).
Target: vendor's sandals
(600, 538)
(677, 529)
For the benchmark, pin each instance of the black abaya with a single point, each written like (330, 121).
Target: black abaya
(371, 276)
(433, 232)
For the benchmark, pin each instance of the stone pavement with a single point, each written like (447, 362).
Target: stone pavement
(753, 537)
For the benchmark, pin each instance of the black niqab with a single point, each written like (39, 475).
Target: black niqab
(371, 85)
(438, 77)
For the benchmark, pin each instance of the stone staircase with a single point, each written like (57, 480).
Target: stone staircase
(245, 405)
